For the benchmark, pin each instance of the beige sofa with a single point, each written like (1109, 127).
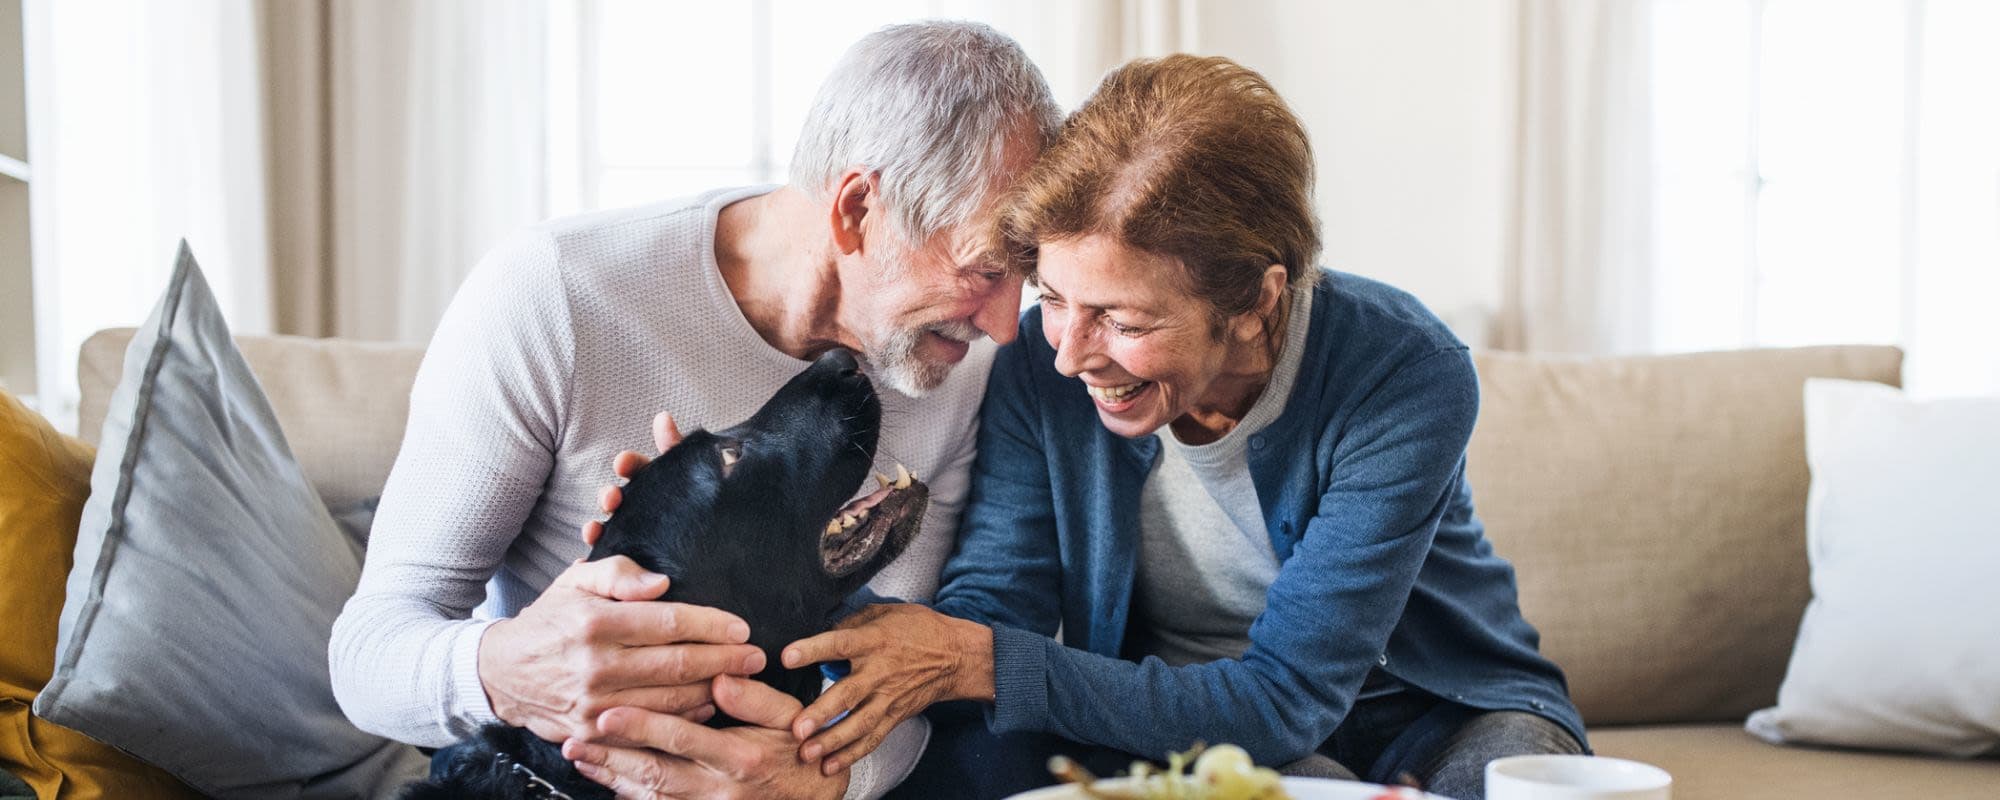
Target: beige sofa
(1653, 507)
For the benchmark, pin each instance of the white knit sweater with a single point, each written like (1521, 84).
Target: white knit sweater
(555, 354)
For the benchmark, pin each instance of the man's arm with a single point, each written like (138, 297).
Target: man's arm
(486, 420)
(485, 417)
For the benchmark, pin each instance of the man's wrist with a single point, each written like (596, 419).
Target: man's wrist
(485, 665)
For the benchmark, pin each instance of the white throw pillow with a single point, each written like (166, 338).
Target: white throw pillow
(1900, 647)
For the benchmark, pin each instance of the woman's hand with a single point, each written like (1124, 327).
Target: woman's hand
(904, 658)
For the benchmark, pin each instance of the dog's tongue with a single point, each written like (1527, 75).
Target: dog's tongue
(868, 501)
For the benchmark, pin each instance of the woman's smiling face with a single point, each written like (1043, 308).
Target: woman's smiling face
(1148, 351)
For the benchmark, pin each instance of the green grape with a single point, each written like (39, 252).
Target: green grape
(1268, 785)
(1225, 772)
(1221, 759)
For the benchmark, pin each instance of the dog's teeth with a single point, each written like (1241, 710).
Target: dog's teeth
(861, 516)
(884, 480)
(833, 526)
(848, 521)
(902, 477)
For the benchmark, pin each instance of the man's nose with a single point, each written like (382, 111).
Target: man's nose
(998, 315)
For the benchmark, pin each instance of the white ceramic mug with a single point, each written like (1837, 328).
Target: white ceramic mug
(1575, 778)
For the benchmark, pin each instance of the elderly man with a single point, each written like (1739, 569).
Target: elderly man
(567, 338)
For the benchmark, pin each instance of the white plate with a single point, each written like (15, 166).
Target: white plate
(1298, 788)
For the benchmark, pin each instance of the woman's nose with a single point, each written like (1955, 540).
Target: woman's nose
(1075, 350)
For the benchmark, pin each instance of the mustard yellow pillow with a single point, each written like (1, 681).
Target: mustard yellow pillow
(44, 478)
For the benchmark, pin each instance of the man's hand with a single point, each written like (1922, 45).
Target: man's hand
(665, 435)
(578, 650)
(904, 658)
(682, 759)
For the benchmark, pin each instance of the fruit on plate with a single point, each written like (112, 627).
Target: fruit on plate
(1223, 772)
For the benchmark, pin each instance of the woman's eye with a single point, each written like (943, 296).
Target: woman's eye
(1122, 329)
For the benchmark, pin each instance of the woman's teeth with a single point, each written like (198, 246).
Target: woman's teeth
(1115, 394)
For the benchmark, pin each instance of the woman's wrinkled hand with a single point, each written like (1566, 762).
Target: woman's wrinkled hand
(904, 658)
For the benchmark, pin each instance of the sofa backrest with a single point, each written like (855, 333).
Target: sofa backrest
(1654, 510)
(342, 403)
(1653, 507)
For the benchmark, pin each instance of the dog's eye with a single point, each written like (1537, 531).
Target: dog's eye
(730, 455)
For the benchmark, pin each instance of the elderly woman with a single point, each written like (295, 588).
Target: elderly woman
(1232, 484)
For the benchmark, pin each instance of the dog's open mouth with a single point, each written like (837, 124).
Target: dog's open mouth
(884, 520)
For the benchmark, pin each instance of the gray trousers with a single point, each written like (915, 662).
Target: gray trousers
(1411, 736)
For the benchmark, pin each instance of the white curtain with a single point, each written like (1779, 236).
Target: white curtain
(1579, 254)
(437, 127)
(1075, 42)
(337, 165)
(144, 130)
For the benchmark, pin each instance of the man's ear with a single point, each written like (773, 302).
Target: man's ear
(855, 195)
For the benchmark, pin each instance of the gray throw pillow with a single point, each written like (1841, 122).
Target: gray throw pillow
(207, 578)
(356, 518)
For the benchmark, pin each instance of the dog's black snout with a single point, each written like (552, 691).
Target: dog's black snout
(842, 361)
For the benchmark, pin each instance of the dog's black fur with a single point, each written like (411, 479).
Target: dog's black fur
(740, 520)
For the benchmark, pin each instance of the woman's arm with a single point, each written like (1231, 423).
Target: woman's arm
(1396, 467)
(1006, 568)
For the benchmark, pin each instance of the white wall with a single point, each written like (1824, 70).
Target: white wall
(1409, 104)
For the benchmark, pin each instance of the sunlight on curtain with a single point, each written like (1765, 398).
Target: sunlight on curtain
(631, 122)
(146, 129)
(1828, 171)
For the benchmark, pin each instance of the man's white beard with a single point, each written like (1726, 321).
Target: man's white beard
(897, 363)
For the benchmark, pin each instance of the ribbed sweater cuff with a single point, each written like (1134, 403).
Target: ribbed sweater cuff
(468, 695)
(1020, 681)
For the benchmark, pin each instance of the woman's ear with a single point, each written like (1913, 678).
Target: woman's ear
(1273, 291)
(1255, 323)
(853, 198)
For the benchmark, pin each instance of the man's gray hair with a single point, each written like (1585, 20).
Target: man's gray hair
(929, 107)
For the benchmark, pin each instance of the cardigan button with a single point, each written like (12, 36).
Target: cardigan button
(1257, 442)
(1382, 659)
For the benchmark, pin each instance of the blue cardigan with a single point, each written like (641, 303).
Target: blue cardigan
(1362, 482)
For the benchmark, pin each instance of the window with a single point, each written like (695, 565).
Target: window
(650, 100)
(1828, 171)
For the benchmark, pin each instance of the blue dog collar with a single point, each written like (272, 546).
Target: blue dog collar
(833, 672)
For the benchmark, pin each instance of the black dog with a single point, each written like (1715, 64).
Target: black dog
(754, 520)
